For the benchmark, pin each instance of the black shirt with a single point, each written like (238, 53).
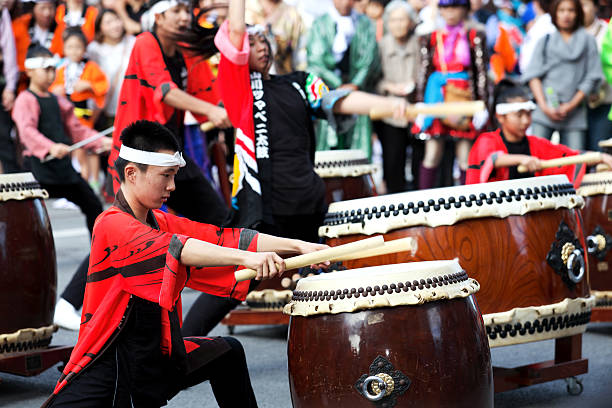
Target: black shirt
(295, 187)
(520, 147)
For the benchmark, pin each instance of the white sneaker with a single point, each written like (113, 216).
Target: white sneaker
(66, 315)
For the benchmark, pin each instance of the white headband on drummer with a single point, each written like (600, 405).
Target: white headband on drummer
(148, 17)
(505, 108)
(151, 158)
(41, 62)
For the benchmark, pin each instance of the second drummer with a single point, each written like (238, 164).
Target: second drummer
(496, 155)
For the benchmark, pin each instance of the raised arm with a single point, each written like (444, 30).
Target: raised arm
(237, 25)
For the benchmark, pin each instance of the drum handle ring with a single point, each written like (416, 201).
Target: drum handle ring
(382, 386)
(576, 255)
(595, 243)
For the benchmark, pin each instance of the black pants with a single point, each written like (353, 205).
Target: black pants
(82, 195)
(208, 310)
(8, 152)
(394, 142)
(103, 384)
(74, 292)
(195, 199)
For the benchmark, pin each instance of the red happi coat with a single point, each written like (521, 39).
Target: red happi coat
(480, 161)
(129, 258)
(146, 83)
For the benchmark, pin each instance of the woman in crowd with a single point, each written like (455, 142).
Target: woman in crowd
(563, 71)
(600, 101)
(399, 50)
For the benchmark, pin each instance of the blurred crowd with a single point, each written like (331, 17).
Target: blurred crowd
(425, 51)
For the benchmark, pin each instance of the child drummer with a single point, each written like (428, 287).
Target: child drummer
(496, 155)
(130, 351)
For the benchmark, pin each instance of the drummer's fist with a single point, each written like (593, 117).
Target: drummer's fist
(308, 247)
(266, 264)
(532, 164)
(607, 160)
(59, 150)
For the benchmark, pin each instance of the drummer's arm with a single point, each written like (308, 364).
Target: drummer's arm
(361, 103)
(607, 160)
(236, 22)
(286, 246)
(510, 160)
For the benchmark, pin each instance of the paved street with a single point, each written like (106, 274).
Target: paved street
(266, 352)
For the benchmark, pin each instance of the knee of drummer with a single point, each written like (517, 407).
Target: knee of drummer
(236, 353)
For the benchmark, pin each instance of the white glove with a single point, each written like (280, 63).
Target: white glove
(480, 119)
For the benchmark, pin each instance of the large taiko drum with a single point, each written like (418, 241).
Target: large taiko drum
(521, 239)
(597, 216)
(27, 266)
(402, 335)
(347, 174)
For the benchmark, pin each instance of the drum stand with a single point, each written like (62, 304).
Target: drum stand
(34, 362)
(567, 364)
(244, 315)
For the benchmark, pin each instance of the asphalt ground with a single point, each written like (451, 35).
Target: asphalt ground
(266, 351)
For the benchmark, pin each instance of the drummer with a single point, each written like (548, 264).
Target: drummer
(496, 155)
(130, 351)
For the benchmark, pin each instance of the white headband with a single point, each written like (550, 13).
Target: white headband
(151, 158)
(148, 17)
(256, 29)
(41, 62)
(505, 108)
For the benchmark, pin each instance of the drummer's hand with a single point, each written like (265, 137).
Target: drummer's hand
(266, 264)
(533, 164)
(59, 150)
(607, 160)
(399, 107)
(105, 145)
(218, 116)
(308, 247)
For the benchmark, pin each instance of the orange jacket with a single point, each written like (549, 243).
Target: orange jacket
(88, 26)
(99, 84)
(21, 30)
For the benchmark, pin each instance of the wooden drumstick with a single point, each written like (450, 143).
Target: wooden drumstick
(587, 158)
(389, 247)
(602, 167)
(207, 126)
(323, 255)
(433, 109)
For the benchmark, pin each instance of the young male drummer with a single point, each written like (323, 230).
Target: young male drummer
(496, 155)
(130, 351)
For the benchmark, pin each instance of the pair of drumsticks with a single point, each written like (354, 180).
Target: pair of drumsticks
(430, 109)
(365, 248)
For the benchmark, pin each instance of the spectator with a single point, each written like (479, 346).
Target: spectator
(111, 39)
(504, 39)
(284, 25)
(453, 68)
(75, 13)
(565, 68)
(539, 28)
(36, 27)
(606, 58)
(374, 10)
(8, 83)
(600, 127)
(399, 52)
(342, 50)
(481, 10)
(130, 12)
(85, 85)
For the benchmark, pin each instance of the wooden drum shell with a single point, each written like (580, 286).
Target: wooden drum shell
(441, 346)
(507, 256)
(596, 212)
(348, 188)
(28, 273)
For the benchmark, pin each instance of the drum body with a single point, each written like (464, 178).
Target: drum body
(347, 174)
(27, 265)
(597, 215)
(435, 350)
(515, 243)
